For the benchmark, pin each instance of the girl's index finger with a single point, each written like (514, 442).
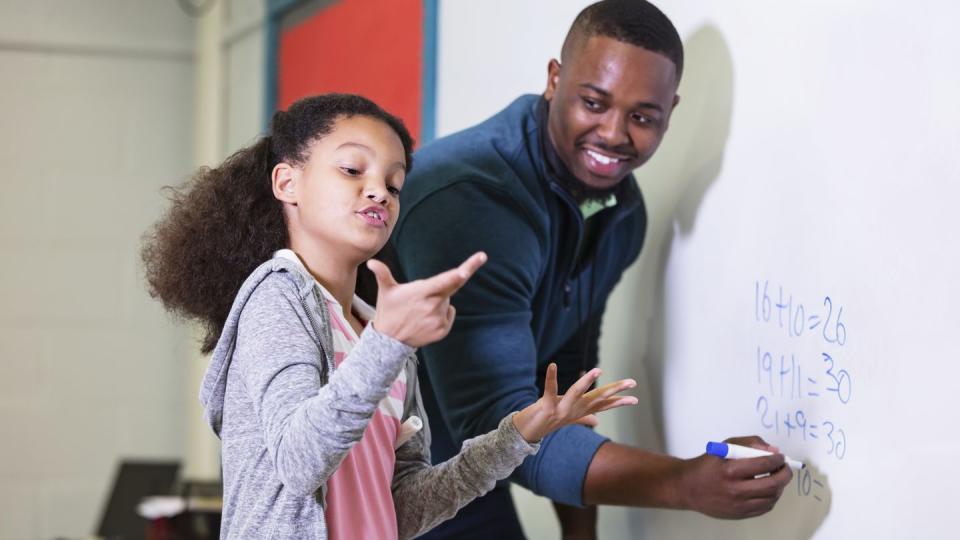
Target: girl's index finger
(470, 266)
(444, 283)
(550, 388)
(449, 282)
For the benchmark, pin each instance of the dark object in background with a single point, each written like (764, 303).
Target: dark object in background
(201, 520)
(134, 481)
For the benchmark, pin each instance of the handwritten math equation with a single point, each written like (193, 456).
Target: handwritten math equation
(808, 485)
(791, 384)
(798, 318)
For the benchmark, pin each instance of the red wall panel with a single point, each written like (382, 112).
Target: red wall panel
(368, 47)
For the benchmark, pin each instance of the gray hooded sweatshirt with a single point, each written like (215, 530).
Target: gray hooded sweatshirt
(287, 419)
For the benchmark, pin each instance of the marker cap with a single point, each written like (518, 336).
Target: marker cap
(718, 449)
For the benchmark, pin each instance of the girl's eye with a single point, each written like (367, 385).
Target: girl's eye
(350, 171)
(393, 190)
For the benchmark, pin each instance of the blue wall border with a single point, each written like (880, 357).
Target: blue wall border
(275, 11)
(428, 89)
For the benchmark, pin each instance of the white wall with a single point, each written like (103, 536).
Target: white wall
(96, 103)
(229, 101)
(244, 51)
(491, 52)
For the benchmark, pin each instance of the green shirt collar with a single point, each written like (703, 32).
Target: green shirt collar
(590, 207)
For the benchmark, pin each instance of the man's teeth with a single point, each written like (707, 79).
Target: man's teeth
(602, 158)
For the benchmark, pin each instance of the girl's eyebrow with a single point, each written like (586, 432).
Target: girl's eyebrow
(362, 146)
(358, 145)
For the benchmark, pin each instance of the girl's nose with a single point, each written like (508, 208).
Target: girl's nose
(377, 195)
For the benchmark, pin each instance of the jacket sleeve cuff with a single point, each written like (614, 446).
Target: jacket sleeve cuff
(560, 467)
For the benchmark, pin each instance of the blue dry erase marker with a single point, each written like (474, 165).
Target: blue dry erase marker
(735, 451)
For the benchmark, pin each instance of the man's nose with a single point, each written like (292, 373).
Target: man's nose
(613, 129)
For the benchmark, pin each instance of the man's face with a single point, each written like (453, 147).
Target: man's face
(610, 105)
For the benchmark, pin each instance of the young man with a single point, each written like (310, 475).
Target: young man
(546, 189)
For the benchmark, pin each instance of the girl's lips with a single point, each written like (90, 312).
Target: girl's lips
(374, 216)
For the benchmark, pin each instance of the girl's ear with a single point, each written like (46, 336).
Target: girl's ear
(284, 178)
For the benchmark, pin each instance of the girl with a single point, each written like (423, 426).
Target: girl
(312, 392)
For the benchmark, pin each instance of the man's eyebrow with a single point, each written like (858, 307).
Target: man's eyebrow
(604, 93)
(596, 89)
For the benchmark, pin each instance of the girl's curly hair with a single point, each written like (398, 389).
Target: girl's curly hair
(224, 222)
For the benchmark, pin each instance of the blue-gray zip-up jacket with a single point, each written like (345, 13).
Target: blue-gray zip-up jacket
(489, 188)
(287, 419)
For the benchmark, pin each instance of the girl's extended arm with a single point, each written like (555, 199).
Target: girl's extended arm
(425, 496)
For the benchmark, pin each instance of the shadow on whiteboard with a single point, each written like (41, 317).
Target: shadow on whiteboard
(675, 184)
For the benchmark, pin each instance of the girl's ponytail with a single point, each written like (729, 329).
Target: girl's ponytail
(221, 225)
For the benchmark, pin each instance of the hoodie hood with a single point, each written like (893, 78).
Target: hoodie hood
(214, 386)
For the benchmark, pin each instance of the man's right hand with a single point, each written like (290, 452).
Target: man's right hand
(625, 475)
(729, 488)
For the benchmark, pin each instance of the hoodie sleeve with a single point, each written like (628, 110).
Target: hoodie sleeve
(456, 482)
(452, 484)
(308, 429)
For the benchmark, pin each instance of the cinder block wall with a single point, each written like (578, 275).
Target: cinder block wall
(96, 103)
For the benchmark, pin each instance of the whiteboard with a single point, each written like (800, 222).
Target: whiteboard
(799, 279)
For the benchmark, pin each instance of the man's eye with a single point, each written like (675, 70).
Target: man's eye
(643, 119)
(590, 104)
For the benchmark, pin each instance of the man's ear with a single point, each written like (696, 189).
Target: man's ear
(553, 78)
(676, 101)
(284, 180)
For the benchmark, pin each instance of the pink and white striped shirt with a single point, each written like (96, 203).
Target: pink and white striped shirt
(359, 499)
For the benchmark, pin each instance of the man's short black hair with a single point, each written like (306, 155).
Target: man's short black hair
(636, 22)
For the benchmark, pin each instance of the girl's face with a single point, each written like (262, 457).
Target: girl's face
(346, 197)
